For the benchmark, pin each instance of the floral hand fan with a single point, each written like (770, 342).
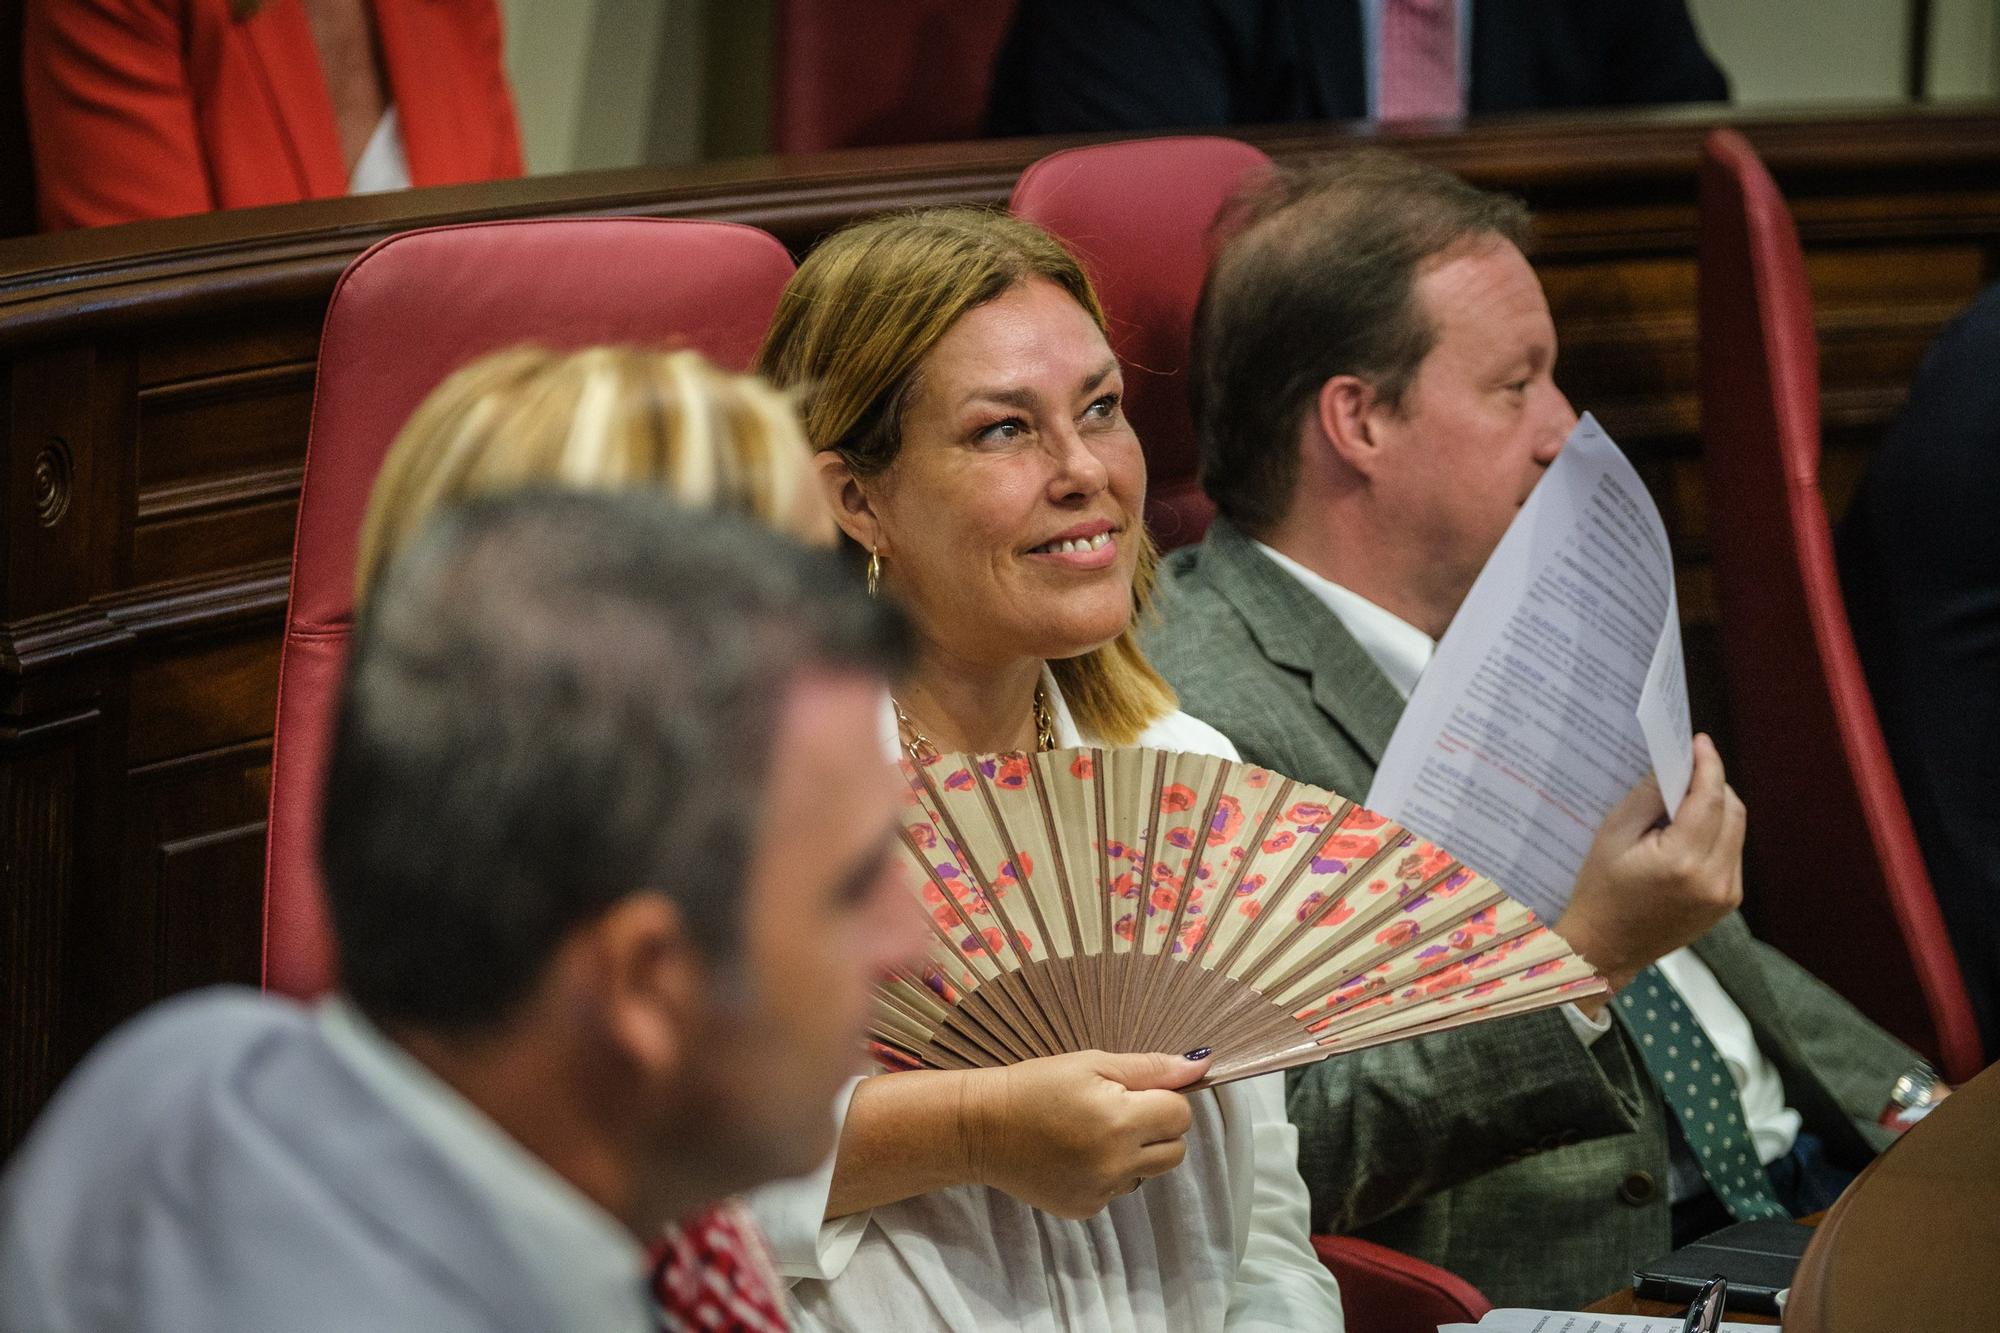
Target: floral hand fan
(1142, 900)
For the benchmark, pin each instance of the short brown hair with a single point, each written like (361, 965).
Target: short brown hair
(852, 330)
(1316, 280)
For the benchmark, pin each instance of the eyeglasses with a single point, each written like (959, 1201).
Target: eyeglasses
(1705, 1314)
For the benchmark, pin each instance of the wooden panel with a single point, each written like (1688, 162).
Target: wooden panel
(205, 695)
(1877, 308)
(216, 467)
(244, 521)
(37, 813)
(200, 430)
(1627, 344)
(189, 911)
(211, 908)
(279, 335)
(155, 392)
(59, 484)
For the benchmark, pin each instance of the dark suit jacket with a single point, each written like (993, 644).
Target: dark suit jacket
(157, 108)
(215, 1165)
(1073, 65)
(1507, 1151)
(1920, 562)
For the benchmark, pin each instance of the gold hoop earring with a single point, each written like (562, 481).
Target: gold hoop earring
(874, 574)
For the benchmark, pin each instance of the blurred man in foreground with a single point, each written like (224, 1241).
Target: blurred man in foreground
(589, 980)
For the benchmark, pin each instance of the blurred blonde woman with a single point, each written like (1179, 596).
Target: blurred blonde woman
(605, 418)
(600, 418)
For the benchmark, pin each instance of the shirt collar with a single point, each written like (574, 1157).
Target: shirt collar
(1400, 649)
(592, 1268)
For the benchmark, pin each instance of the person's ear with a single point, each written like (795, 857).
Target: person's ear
(652, 981)
(1346, 422)
(848, 500)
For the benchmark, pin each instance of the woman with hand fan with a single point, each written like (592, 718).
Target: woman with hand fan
(965, 405)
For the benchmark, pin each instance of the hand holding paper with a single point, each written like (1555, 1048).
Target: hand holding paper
(1646, 890)
(1550, 732)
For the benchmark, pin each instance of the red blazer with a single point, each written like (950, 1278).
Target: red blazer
(156, 108)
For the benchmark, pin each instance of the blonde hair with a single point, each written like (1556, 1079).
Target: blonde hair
(601, 418)
(853, 328)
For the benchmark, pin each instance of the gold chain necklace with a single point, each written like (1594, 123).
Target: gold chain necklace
(921, 749)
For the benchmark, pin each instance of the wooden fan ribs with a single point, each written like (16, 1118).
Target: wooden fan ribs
(1272, 810)
(1144, 1035)
(1285, 955)
(991, 970)
(996, 1040)
(1010, 936)
(1364, 922)
(1059, 864)
(1243, 1024)
(1277, 898)
(1060, 1011)
(1120, 1032)
(1350, 1013)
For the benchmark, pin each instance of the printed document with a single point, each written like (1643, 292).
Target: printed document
(1563, 1321)
(1558, 685)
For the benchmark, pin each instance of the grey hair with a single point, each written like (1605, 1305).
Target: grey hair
(554, 700)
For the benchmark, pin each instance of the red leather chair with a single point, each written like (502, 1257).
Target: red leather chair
(846, 73)
(404, 315)
(1139, 215)
(1840, 882)
(1386, 1291)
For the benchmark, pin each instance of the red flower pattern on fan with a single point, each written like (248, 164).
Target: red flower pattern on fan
(1071, 897)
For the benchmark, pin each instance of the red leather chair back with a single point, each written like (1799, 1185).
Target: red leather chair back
(1139, 215)
(405, 315)
(846, 73)
(1386, 1291)
(1838, 876)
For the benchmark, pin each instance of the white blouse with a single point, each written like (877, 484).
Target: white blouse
(383, 165)
(1220, 1242)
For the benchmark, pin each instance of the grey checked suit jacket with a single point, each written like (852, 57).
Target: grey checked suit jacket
(215, 1167)
(1507, 1152)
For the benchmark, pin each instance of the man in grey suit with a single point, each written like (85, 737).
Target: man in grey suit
(1374, 396)
(606, 846)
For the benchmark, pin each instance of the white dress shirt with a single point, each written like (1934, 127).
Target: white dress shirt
(593, 1269)
(1221, 1242)
(1402, 651)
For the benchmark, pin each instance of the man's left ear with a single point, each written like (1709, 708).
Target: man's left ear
(652, 981)
(1345, 415)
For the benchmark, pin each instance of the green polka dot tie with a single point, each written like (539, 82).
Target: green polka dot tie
(1700, 1094)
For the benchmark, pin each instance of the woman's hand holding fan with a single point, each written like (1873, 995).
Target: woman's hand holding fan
(1146, 901)
(1071, 1133)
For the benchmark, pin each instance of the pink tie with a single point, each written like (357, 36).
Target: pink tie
(1417, 75)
